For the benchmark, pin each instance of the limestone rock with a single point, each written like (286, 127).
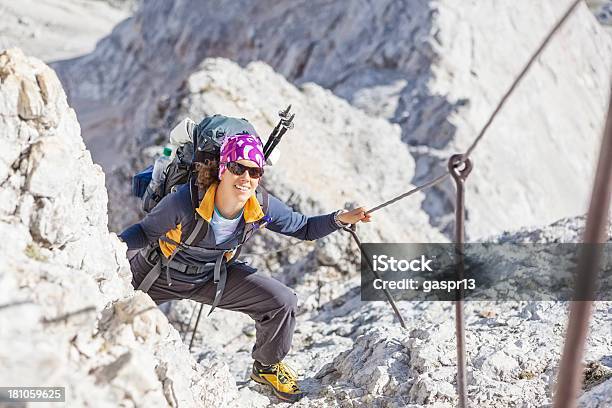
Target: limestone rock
(65, 281)
(598, 397)
(435, 68)
(59, 29)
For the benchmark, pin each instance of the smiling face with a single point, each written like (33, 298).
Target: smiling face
(239, 187)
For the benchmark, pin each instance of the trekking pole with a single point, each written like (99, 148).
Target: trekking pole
(184, 336)
(459, 168)
(274, 132)
(351, 230)
(285, 123)
(282, 114)
(195, 329)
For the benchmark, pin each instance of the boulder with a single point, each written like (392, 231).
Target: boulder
(68, 313)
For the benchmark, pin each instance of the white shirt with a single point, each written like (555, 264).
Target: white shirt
(222, 227)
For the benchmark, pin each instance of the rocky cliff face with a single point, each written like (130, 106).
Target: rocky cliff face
(435, 68)
(68, 313)
(58, 29)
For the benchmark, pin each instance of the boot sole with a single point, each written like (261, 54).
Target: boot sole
(276, 392)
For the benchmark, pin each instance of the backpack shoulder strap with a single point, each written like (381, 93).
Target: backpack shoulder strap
(193, 190)
(263, 197)
(201, 226)
(199, 231)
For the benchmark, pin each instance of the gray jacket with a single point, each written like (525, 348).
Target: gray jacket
(174, 218)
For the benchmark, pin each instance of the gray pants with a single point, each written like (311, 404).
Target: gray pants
(267, 301)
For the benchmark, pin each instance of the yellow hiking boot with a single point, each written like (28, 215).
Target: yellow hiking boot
(280, 377)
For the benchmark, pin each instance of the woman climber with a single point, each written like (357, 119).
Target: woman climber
(228, 205)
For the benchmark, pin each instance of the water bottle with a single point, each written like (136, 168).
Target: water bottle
(159, 169)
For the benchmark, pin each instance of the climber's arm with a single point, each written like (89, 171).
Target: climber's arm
(165, 216)
(292, 223)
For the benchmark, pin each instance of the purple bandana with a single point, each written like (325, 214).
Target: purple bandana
(241, 147)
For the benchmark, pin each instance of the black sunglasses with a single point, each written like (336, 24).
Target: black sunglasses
(239, 169)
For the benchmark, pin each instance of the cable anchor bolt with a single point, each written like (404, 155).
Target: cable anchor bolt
(460, 167)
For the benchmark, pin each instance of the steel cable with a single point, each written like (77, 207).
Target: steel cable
(535, 55)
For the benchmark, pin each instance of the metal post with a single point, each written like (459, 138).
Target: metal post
(595, 232)
(460, 167)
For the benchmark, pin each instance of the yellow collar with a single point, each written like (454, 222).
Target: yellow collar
(252, 209)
